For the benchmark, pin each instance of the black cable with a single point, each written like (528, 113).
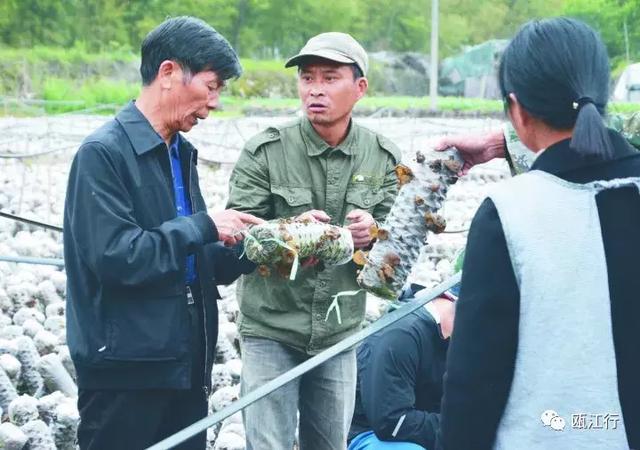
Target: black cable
(29, 221)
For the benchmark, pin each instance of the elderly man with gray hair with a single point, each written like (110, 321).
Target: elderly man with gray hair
(143, 257)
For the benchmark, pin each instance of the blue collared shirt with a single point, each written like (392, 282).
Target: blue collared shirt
(183, 204)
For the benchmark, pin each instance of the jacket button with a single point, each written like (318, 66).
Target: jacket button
(290, 199)
(366, 201)
(318, 316)
(272, 135)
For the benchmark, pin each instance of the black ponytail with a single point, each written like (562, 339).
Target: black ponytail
(590, 136)
(559, 70)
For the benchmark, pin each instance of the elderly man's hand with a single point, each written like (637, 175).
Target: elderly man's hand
(231, 224)
(474, 148)
(360, 227)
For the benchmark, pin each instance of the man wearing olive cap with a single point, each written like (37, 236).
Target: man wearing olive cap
(327, 168)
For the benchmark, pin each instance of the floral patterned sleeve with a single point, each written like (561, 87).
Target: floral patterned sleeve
(627, 125)
(520, 158)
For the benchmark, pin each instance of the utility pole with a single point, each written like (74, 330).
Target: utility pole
(433, 80)
(626, 39)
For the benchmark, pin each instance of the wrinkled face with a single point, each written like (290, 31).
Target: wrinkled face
(190, 98)
(328, 91)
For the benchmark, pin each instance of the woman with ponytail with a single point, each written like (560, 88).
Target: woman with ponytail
(544, 354)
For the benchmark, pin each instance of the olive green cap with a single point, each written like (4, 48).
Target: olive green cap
(334, 46)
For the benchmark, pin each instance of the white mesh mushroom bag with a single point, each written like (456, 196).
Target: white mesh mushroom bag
(282, 243)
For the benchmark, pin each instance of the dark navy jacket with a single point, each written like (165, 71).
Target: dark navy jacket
(399, 382)
(125, 249)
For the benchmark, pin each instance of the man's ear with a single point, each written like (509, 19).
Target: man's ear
(167, 73)
(363, 85)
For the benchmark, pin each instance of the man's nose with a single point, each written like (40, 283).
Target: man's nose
(316, 90)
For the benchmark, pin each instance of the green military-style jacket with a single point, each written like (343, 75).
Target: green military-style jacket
(283, 172)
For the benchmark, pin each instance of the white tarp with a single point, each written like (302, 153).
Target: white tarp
(628, 87)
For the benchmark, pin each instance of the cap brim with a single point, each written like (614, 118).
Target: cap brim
(324, 54)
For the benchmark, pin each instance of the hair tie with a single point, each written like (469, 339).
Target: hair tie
(578, 104)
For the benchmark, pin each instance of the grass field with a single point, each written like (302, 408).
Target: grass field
(44, 80)
(105, 97)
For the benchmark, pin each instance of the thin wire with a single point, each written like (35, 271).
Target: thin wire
(30, 221)
(456, 231)
(37, 154)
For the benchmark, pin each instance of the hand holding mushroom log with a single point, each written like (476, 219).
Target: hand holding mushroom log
(231, 223)
(413, 214)
(360, 227)
(474, 148)
(284, 242)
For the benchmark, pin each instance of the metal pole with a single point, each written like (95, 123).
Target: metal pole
(626, 39)
(433, 80)
(29, 260)
(422, 297)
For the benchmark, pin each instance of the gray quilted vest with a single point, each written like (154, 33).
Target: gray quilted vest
(564, 393)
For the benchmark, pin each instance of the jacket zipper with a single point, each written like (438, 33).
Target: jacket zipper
(189, 293)
(190, 300)
(204, 308)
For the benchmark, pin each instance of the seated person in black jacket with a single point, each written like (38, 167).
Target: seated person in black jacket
(400, 381)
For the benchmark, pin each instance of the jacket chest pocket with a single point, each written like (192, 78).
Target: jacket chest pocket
(291, 201)
(363, 197)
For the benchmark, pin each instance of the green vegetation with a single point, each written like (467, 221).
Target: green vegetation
(65, 96)
(616, 21)
(623, 108)
(266, 28)
(373, 103)
(78, 54)
(66, 56)
(277, 28)
(105, 97)
(235, 105)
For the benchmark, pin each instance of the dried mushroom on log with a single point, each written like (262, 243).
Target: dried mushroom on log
(415, 213)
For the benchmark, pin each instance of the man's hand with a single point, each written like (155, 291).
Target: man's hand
(360, 227)
(314, 215)
(474, 148)
(231, 223)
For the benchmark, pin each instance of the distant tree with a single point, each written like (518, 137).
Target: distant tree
(278, 28)
(26, 23)
(618, 22)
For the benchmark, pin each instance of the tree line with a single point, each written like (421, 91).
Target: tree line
(277, 28)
